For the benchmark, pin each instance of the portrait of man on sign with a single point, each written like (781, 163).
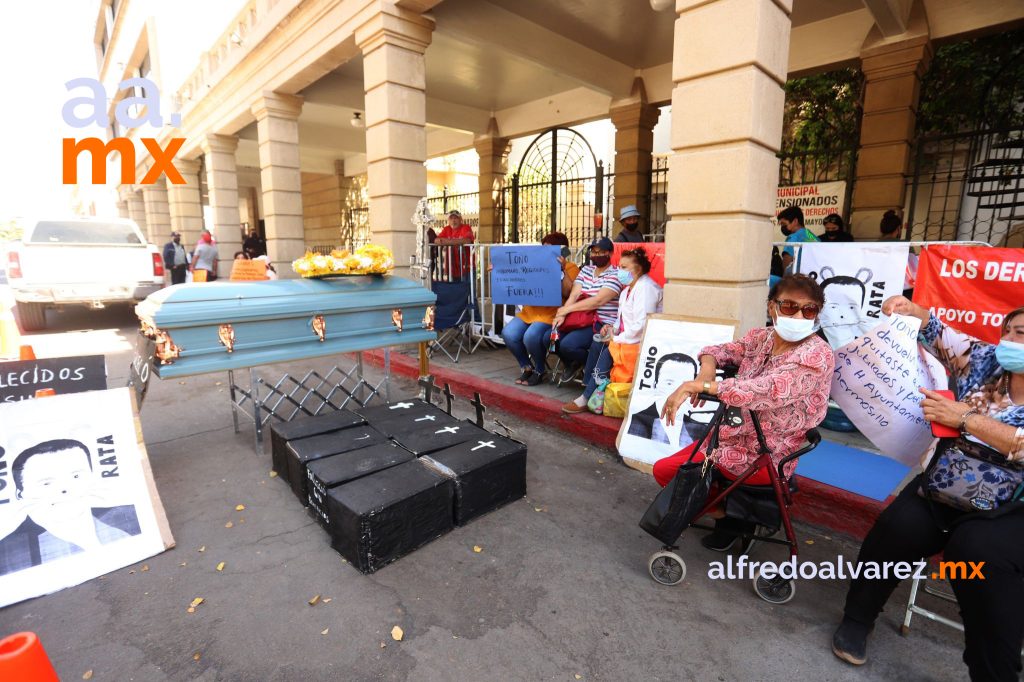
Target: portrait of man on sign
(53, 481)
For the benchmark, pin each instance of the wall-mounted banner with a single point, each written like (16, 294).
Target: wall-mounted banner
(19, 380)
(655, 253)
(77, 497)
(971, 288)
(526, 275)
(876, 382)
(856, 279)
(816, 200)
(668, 357)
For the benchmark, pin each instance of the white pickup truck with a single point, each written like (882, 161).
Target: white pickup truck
(80, 261)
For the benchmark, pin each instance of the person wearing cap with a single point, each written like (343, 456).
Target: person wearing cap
(457, 233)
(834, 231)
(175, 259)
(596, 290)
(630, 219)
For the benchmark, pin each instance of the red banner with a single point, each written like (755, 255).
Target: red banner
(655, 253)
(971, 288)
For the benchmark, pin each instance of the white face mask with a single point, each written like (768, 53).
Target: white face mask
(794, 329)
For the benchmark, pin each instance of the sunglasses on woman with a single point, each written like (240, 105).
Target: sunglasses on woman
(790, 308)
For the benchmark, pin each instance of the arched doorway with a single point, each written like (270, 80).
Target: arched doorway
(558, 186)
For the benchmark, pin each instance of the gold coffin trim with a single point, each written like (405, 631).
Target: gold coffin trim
(428, 318)
(166, 351)
(319, 325)
(226, 334)
(396, 319)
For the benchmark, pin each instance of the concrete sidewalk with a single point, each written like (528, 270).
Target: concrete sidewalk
(559, 590)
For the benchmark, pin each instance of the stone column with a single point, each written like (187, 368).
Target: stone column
(222, 185)
(726, 130)
(892, 85)
(634, 120)
(137, 212)
(158, 214)
(122, 208)
(185, 203)
(493, 150)
(394, 76)
(277, 129)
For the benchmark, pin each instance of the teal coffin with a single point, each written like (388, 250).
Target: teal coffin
(219, 326)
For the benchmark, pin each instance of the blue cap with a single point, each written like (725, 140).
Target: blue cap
(628, 212)
(603, 243)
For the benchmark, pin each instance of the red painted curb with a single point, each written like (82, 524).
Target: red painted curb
(817, 503)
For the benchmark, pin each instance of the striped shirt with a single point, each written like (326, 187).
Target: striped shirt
(591, 284)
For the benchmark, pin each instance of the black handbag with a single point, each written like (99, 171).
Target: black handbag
(678, 502)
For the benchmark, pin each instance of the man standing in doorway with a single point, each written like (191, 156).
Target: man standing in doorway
(629, 216)
(175, 260)
(456, 233)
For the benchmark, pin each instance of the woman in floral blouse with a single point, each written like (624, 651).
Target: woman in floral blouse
(990, 386)
(784, 375)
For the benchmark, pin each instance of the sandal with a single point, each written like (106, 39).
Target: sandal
(535, 379)
(524, 377)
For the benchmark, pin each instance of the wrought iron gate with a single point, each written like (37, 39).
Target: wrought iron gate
(558, 186)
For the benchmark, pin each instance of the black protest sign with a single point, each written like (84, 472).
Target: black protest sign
(141, 369)
(20, 380)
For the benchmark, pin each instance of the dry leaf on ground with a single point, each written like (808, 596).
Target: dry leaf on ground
(325, 631)
(240, 507)
(220, 566)
(229, 524)
(196, 656)
(315, 600)
(203, 548)
(273, 474)
(397, 634)
(477, 548)
(87, 675)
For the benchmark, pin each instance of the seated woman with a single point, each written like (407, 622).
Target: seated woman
(595, 291)
(784, 375)
(641, 297)
(990, 385)
(528, 334)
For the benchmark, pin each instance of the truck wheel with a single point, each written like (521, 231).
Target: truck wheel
(32, 316)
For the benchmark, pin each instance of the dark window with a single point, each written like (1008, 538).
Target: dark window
(83, 232)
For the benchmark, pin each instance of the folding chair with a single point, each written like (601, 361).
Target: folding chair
(452, 319)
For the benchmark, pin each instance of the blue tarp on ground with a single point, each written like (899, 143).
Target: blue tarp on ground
(860, 472)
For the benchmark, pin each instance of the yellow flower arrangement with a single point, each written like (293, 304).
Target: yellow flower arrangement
(367, 260)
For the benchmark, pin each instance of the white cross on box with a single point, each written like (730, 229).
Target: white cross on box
(483, 444)
(427, 418)
(448, 429)
(401, 406)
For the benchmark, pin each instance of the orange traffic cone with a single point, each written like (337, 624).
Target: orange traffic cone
(22, 658)
(10, 336)
(26, 353)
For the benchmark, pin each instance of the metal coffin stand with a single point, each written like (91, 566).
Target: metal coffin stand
(201, 328)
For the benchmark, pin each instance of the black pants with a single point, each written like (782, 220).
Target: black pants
(992, 609)
(178, 274)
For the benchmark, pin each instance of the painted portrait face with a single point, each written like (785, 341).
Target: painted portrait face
(59, 480)
(672, 374)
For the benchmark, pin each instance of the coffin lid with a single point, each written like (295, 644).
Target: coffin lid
(224, 301)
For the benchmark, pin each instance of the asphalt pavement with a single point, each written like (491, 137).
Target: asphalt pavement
(558, 591)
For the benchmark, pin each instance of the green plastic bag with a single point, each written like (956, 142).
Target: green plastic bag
(596, 402)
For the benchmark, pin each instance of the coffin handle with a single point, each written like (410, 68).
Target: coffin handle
(319, 325)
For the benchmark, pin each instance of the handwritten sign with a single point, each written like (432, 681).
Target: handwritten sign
(21, 379)
(248, 271)
(876, 382)
(526, 275)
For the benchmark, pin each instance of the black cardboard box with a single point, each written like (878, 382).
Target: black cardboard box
(305, 450)
(336, 470)
(381, 517)
(488, 473)
(304, 427)
(431, 438)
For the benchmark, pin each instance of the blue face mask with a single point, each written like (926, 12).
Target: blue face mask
(625, 277)
(1010, 355)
